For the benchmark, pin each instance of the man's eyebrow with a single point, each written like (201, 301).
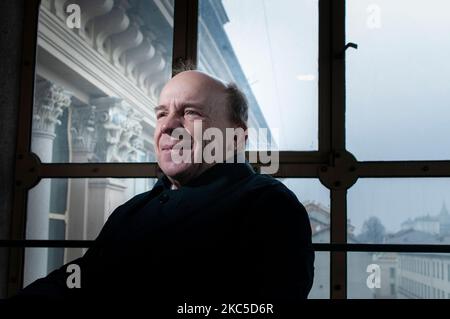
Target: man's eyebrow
(160, 107)
(194, 105)
(163, 107)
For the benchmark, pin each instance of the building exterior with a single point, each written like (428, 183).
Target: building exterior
(319, 216)
(417, 275)
(436, 225)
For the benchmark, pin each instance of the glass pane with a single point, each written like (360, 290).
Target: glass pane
(316, 199)
(57, 257)
(398, 275)
(270, 50)
(57, 230)
(88, 202)
(98, 81)
(397, 80)
(321, 285)
(400, 211)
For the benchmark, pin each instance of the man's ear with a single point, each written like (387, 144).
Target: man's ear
(240, 139)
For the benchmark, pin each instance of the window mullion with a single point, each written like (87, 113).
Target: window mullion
(185, 33)
(325, 61)
(338, 273)
(18, 218)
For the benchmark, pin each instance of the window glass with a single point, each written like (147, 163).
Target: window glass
(97, 81)
(316, 199)
(270, 50)
(398, 92)
(399, 211)
(321, 284)
(84, 206)
(392, 275)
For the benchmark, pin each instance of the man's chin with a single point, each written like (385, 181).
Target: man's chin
(175, 170)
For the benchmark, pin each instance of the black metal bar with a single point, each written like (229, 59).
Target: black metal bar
(18, 217)
(47, 243)
(413, 248)
(185, 33)
(325, 56)
(386, 169)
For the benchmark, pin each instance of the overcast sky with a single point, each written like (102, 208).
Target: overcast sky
(398, 92)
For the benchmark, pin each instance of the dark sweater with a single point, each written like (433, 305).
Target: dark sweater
(230, 235)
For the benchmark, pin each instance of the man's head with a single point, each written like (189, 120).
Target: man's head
(188, 99)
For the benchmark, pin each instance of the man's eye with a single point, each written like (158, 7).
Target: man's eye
(191, 112)
(160, 115)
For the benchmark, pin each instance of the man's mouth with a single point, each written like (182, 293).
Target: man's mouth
(168, 147)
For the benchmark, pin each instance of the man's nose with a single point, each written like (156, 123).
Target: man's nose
(171, 122)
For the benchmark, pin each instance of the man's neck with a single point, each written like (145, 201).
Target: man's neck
(178, 182)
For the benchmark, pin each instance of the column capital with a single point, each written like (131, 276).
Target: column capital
(50, 100)
(119, 130)
(83, 130)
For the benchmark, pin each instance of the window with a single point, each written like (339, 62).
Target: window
(448, 272)
(321, 284)
(397, 279)
(400, 211)
(362, 143)
(386, 119)
(96, 85)
(78, 209)
(392, 272)
(282, 95)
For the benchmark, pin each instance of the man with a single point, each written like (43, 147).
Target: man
(207, 232)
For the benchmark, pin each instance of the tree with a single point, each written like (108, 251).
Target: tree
(373, 231)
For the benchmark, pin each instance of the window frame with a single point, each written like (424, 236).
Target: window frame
(332, 164)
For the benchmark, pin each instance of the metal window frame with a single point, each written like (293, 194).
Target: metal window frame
(332, 164)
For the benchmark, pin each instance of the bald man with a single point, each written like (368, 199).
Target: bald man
(208, 232)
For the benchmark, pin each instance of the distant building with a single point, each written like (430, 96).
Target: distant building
(319, 216)
(388, 275)
(437, 225)
(417, 275)
(423, 276)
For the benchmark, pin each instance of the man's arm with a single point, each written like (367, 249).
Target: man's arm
(54, 287)
(279, 229)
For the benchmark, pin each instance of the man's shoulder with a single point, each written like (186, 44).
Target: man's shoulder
(129, 205)
(267, 188)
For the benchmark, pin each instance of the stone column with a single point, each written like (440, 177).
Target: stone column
(82, 129)
(108, 132)
(119, 139)
(49, 104)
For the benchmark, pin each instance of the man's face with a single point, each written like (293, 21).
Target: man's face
(188, 98)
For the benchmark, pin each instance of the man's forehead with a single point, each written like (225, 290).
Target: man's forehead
(193, 87)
